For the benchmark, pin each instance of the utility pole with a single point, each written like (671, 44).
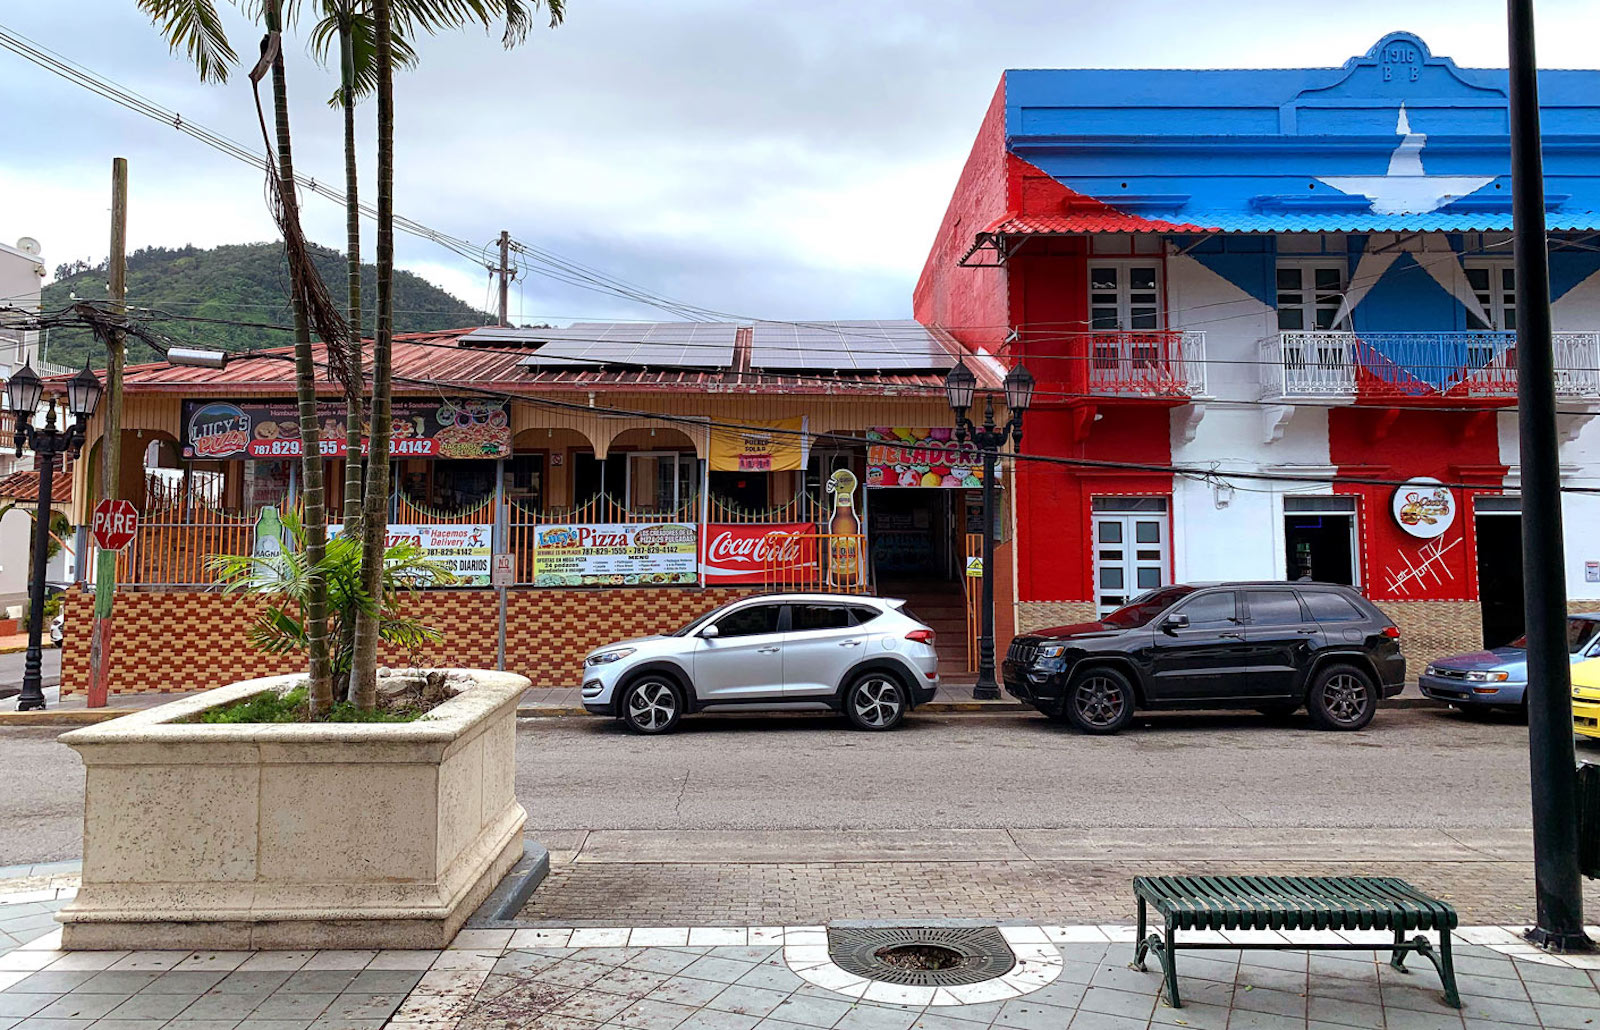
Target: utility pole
(1558, 885)
(504, 272)
(105, 574)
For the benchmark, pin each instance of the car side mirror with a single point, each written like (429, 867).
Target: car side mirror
(1172, 622)
(710, 632)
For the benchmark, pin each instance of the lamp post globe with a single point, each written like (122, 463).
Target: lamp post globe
(83, 393)
(959, 385)
(23, 391)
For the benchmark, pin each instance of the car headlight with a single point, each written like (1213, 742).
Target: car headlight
(1049, 651)
(607, 657)
(1432, 670)
(1488, 677)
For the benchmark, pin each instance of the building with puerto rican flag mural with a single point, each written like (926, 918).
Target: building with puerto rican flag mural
(1256, 300)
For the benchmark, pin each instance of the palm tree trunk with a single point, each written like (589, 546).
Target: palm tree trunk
(353, 406)
(364, 679)
(315, 518)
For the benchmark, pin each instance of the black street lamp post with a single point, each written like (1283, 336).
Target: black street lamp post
(22, 397)
(989, 438)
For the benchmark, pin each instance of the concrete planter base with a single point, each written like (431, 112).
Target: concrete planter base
(373, 835)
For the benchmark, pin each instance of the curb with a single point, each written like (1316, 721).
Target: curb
(64, 716)
(930, 708)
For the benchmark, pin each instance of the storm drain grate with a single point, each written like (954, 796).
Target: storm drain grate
(922, 956)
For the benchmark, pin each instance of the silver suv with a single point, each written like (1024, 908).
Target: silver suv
(862, 656)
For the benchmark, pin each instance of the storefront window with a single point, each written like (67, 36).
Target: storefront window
(525, 480)
(448, 485)
(265, 482)
(660, 481)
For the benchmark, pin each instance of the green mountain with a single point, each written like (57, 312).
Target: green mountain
(245, 282)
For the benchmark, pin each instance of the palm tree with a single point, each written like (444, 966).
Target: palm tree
(350, 23)
(373, 38)
(432, 16)
(195, 27)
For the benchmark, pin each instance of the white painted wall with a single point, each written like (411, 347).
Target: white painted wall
(1221, 534)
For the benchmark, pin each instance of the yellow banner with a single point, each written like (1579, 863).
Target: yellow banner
(759, 446)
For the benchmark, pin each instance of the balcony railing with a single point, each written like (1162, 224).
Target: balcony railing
(1159, 363)
(1401, 365)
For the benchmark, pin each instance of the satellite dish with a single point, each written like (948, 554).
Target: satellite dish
(29, 245)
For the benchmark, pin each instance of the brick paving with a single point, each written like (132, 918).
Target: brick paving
(676, 894)
(766, 977)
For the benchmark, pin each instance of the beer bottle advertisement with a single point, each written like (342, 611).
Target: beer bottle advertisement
(844, 532)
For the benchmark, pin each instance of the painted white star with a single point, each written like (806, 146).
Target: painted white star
(1406, 188)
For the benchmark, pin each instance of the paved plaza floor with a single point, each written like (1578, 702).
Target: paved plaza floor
(761, 978)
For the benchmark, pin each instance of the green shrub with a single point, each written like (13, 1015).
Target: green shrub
(292, 706)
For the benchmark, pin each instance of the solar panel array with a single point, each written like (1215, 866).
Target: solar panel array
(631, 344)
(859, 346)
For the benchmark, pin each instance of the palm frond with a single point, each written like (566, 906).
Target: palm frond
(194, 27)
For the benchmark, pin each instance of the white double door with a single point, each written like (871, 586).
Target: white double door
(1130, 556)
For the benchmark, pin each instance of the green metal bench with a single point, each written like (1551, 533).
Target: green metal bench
(1293, 903)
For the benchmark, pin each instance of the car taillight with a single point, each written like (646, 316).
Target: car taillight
(1392, 632)
(921, 636)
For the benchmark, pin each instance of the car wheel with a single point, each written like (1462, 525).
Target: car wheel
(875, 701)
(1100, 700)
(652, 705)
(1342, 698)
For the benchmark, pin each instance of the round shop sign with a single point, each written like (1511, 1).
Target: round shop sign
(1424, 507)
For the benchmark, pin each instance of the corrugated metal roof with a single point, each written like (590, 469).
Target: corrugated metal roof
(422, 360)
(1284, 221)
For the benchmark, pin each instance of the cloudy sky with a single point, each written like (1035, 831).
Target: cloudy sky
(771, 159)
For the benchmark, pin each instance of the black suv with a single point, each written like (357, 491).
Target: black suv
(1268, 646)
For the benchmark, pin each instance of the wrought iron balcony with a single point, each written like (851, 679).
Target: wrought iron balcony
(1418, 365)
(1157, 363)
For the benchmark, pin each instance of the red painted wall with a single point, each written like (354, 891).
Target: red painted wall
(1454, 447)
(1057, 561)
(970, 302)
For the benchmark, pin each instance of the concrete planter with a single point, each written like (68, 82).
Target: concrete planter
(374, 835)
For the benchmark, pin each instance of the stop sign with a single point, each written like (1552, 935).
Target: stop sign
(113, 524)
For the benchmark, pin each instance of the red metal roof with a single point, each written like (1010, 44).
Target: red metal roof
(24, 486)
(423, 361)
(1106, 220)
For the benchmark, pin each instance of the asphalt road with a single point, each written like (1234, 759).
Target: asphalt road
(11, 669)
(1411, 770)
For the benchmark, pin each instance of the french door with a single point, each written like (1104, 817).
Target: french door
(1131, 552)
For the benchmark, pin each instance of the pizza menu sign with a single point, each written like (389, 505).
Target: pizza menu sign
(476, 428)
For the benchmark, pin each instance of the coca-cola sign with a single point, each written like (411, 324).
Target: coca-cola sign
(747, 553)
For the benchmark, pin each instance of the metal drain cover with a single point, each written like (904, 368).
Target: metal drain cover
(983, 953)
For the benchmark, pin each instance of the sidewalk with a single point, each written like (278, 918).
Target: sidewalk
(953, 697)
(770, 978)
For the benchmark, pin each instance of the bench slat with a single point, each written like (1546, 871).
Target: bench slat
(1294, 903)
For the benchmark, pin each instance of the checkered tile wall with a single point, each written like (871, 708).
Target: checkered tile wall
(178, 641)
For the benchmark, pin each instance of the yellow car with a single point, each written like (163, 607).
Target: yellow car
(1586, 698)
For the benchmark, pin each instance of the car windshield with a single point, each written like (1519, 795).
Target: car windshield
(1145, 607)
(1579, 633)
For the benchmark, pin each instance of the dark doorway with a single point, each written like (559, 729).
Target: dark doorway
(1320, 547)
(747, 490)
(586, 478)
(1500, 576)
(909, 534)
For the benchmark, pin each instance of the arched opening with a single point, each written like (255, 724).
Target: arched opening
(653, 471)
(540, 474)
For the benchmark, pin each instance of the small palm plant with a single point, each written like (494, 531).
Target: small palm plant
(285, 580)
